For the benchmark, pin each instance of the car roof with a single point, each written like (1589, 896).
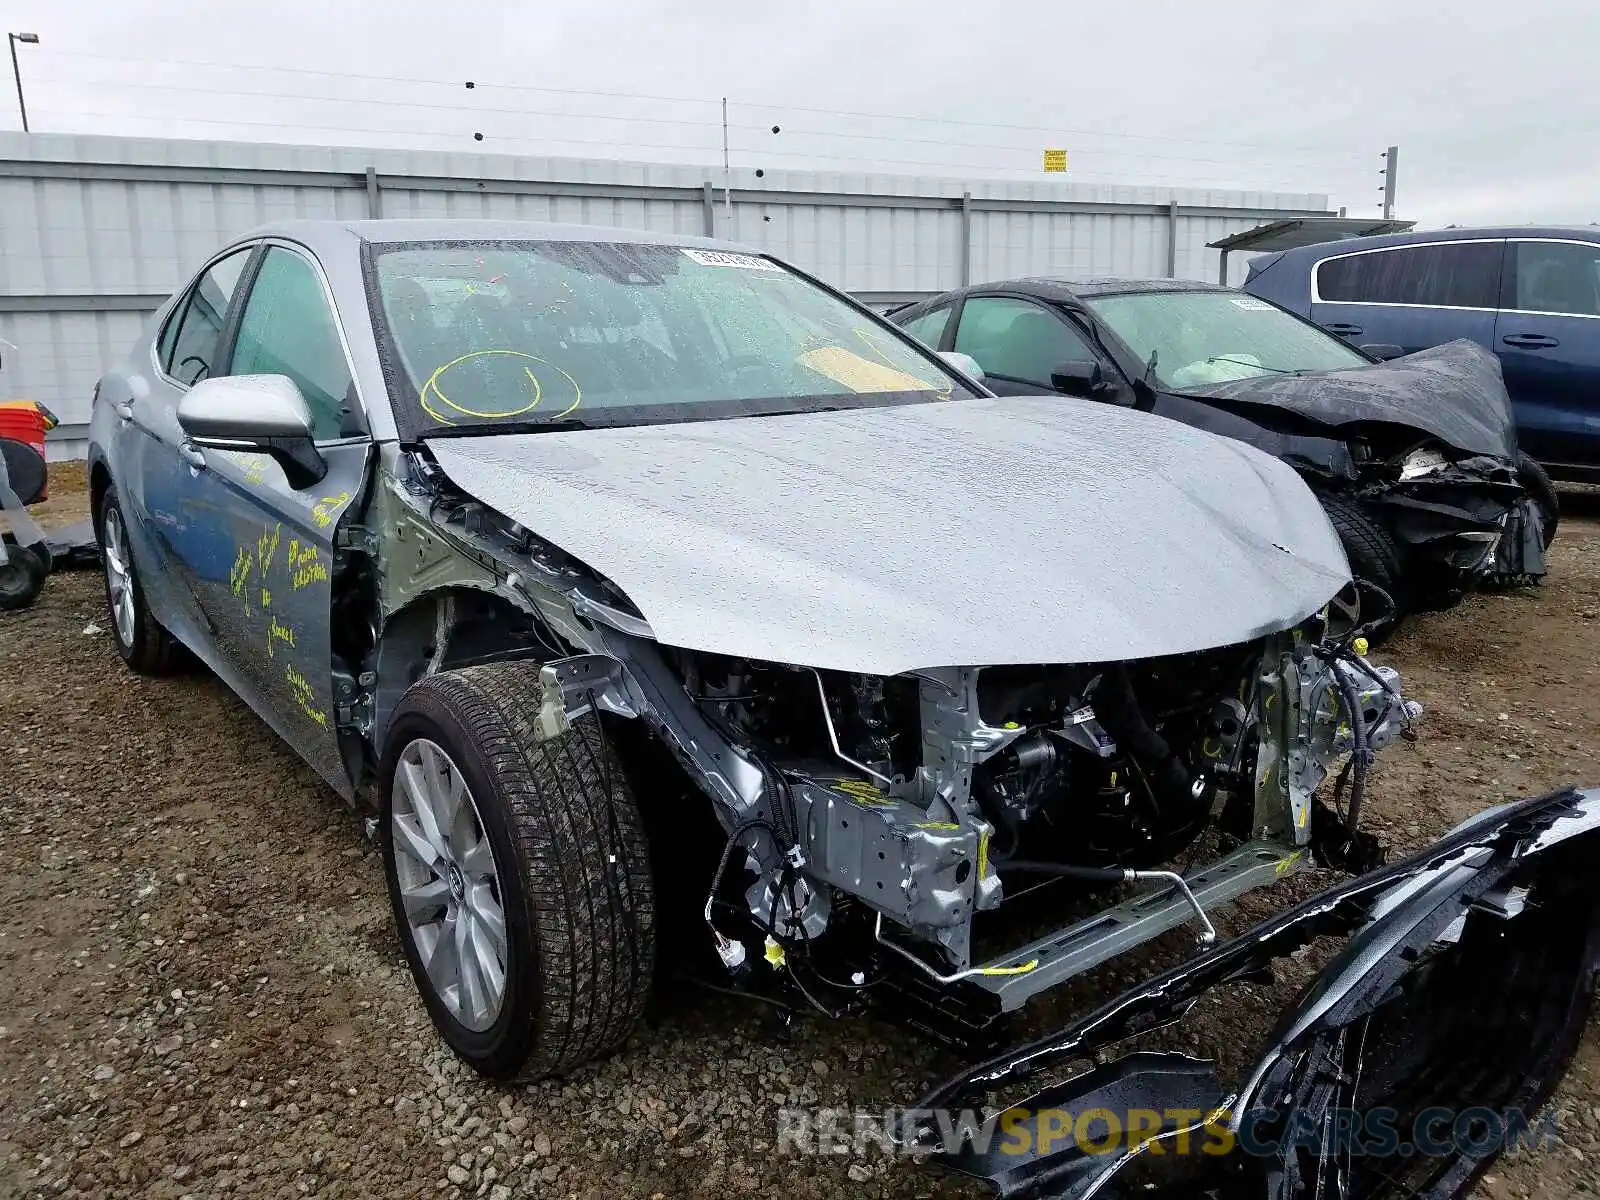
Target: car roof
(1582, 233)
(334, 236)
(1067, 288)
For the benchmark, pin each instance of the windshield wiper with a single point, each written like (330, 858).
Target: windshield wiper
(1149, 368)
(1216, 358)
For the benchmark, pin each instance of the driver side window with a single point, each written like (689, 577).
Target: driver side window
(288, 329)
(189, 344)
(1017, 339)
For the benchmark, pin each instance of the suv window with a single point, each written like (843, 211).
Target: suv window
(1558, 277)
(929, 327)
(189, 342)
(1448, 275)
(1017, 339)
(288, 329)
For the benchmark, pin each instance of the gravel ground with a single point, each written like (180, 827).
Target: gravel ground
(201, 994)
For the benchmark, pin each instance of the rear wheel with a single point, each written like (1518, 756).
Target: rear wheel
(1537, 483)
(1376, 598)
(141, 641)
(518, 873)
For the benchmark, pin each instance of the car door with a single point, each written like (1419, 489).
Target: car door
(271, 608)
(170, 531)
(1410, 296)
(1548, 337)
(1018, 342)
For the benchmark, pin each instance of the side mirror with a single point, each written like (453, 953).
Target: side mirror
(1078, 377)
(964, 363)
(1383, 351)
(260, 414)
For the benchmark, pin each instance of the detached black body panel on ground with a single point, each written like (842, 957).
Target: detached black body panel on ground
(1445, 1021)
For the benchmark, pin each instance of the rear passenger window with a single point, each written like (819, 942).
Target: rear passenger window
(1450, 275)
(189, 342)
(1558, 277)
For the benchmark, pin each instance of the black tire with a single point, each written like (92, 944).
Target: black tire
(1536, 482)
(150, 650)
(572, 866)
(1375, 562)
(22, 577)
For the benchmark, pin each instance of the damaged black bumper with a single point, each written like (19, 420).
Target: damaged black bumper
(1424, 1048)
(1473, 522)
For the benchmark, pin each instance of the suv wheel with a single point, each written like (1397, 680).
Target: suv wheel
(143, 644)
(518, 873)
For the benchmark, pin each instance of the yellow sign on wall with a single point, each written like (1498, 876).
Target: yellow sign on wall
(1055, 160)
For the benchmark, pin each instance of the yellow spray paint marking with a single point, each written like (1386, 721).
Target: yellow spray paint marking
(935, 825)
(325, 510)
(239, 577)
(279, 633)
(861, 791)
(431, 391)
(305, 565)
(983, 854)
(1287, 865)
(266, 547)
(300, 689)
(266, 598)
(858, 373)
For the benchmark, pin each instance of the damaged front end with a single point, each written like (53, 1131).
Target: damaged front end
(1468, 514)
(1419, 1054)
(1425, 443)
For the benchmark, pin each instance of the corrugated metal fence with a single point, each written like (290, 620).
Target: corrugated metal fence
(95, 232)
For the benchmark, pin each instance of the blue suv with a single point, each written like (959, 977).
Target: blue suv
(1531, 295)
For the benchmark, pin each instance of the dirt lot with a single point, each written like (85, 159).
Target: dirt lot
(200, 992)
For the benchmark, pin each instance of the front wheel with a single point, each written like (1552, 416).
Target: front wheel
(1376, 599)
(518, 874)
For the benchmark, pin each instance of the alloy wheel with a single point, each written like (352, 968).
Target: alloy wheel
(449, 885)
(119, 574)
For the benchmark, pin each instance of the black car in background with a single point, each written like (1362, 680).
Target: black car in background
(1415, 458)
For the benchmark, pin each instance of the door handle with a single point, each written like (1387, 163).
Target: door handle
(193, 455)
(123, 409)
(1530, 341)
(1344, 329)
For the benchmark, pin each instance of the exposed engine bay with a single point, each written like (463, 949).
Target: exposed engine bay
(918, 802)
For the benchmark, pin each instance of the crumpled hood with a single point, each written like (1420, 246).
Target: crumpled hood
(1454, 392)
(966, 533)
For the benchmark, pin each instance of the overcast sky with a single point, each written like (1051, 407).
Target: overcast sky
(1494, 107)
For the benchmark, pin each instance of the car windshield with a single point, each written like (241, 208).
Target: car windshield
(1198, 338)
(548, 334)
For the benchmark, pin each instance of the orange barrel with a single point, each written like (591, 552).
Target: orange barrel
(27, 421)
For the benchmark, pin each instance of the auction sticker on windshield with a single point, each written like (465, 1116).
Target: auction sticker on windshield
(1251, 303)
(722, 258)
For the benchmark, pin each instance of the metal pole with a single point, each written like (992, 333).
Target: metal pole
(1172, 239)
(708, 203)
(1391, 162)
(16, 72)
(966, 238)
(374, 197)
(1222, 270)
(727, 185)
